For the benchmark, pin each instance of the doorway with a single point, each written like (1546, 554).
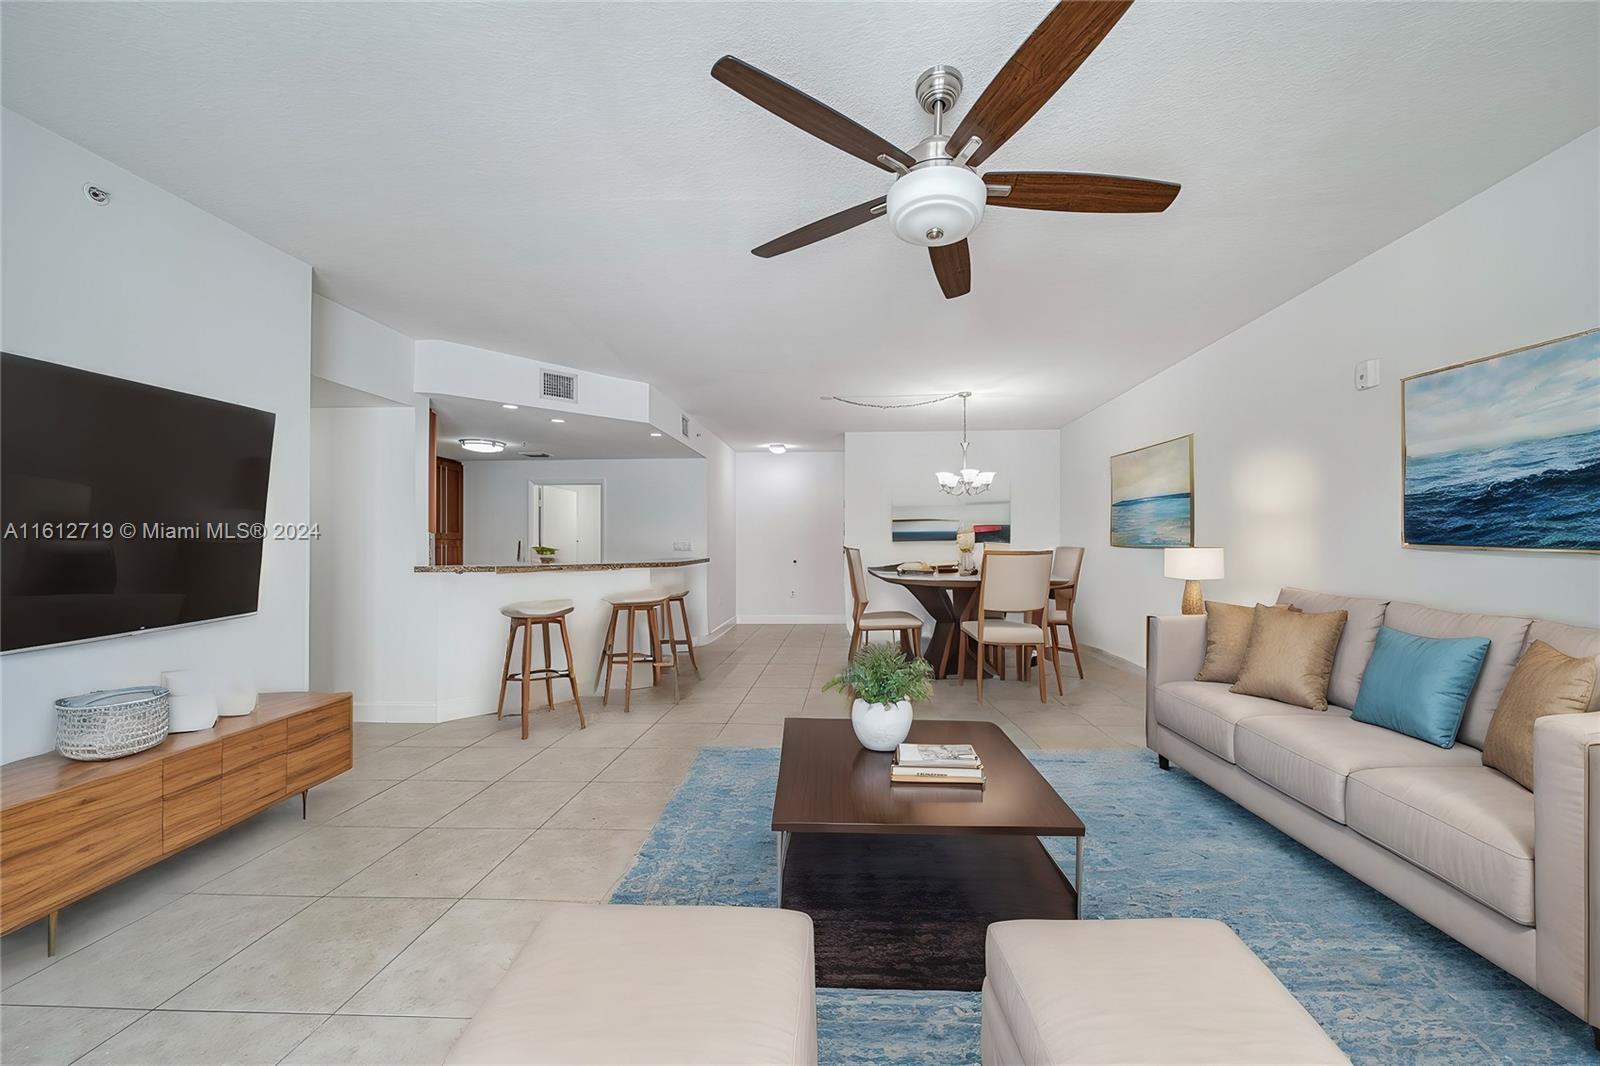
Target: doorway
(448, 484)
(568, 518)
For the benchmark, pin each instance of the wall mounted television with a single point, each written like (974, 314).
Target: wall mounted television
(123, 507)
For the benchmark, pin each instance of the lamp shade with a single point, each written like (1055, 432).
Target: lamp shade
(1193, 564)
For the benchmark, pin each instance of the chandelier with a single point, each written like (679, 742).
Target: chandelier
(969, 481)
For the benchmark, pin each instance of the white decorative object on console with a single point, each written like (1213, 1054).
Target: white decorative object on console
(236, 698)
(193, 707)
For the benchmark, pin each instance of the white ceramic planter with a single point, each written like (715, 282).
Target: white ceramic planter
(881, 726)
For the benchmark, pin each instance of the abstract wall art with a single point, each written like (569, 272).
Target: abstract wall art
(989, 521)
(1503, 452)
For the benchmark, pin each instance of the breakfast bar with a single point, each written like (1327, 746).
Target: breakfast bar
(461, 605)
(435, 645)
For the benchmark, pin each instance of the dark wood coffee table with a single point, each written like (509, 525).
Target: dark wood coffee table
(902, 881)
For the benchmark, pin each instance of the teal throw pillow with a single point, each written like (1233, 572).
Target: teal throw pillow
(1419, 685)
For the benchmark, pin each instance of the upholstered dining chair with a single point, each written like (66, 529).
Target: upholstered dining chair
(1011, 582)
(1068, 567)
(864, 622)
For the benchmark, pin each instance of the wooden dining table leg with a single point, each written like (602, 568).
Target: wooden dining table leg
(963, 605)
(948, 606)
(946, 622)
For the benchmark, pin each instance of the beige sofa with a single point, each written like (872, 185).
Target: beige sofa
(1432, 828)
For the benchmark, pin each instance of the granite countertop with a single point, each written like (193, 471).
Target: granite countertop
(546, 568)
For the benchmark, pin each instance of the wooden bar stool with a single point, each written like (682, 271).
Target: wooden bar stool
(524, 616)
(626, 607)
(686, 641)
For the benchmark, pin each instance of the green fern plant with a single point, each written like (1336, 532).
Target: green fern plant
(880, 673)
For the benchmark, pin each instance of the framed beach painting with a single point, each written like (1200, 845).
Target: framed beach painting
(1503, 452)
(1152, 496)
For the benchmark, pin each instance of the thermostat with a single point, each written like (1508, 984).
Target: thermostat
(1367, 374)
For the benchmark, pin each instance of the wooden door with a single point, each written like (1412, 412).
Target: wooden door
(447, 541)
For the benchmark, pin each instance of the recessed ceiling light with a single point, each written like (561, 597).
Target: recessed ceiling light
(509, 406)
(655, 434)
(558, 420)
(777, 449)
(482, 444)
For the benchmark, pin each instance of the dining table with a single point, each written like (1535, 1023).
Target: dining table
(950, 598)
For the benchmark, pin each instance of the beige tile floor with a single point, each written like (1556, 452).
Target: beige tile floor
(370, 932)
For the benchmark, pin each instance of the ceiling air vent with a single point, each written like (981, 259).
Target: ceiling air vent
(554, 386)
(536, 455)
(685, 426)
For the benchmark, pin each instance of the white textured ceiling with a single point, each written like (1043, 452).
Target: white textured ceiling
(567, 182)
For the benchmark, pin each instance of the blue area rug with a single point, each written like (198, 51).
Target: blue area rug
(1386, 985)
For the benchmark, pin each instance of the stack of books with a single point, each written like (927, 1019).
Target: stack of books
(937, 764)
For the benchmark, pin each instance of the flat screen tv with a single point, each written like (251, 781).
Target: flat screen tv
(123, 507)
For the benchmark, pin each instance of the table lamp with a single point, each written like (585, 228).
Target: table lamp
(1193, 565)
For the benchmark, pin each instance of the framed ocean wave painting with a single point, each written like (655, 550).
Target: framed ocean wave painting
(1152, 496)
(1503, 452)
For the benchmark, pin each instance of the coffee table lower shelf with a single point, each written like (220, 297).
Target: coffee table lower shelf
(912, 911)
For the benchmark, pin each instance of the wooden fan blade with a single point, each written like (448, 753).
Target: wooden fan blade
(1043, 190)
(849, 218)
(952, 265)
(811, 115)
(1042, 65)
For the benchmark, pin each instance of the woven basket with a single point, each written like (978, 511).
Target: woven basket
(110, 723)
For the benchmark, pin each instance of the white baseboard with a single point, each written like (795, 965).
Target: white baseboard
(419, 713)
(394, 712)
(791, 619)
(1116, 659)
(718, 633)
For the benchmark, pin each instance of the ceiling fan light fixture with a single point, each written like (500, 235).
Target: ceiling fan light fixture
(934, 205)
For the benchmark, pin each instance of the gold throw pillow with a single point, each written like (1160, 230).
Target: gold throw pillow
(1544, 682)
(1290, 656)
(1227, 637)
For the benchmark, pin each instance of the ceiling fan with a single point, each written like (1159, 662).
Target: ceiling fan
(937, 198)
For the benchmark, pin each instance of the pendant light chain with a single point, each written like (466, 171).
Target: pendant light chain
(893, 406)
(968, 481)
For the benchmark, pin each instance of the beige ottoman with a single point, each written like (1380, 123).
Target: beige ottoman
(1153, 990)
(654, 985)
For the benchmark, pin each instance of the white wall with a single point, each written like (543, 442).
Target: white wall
(649, 505)
(721, 534)
(1297, 475)
(368, 633)
(153, 289)
(360, 353)
(883, 469)
(790, 529)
